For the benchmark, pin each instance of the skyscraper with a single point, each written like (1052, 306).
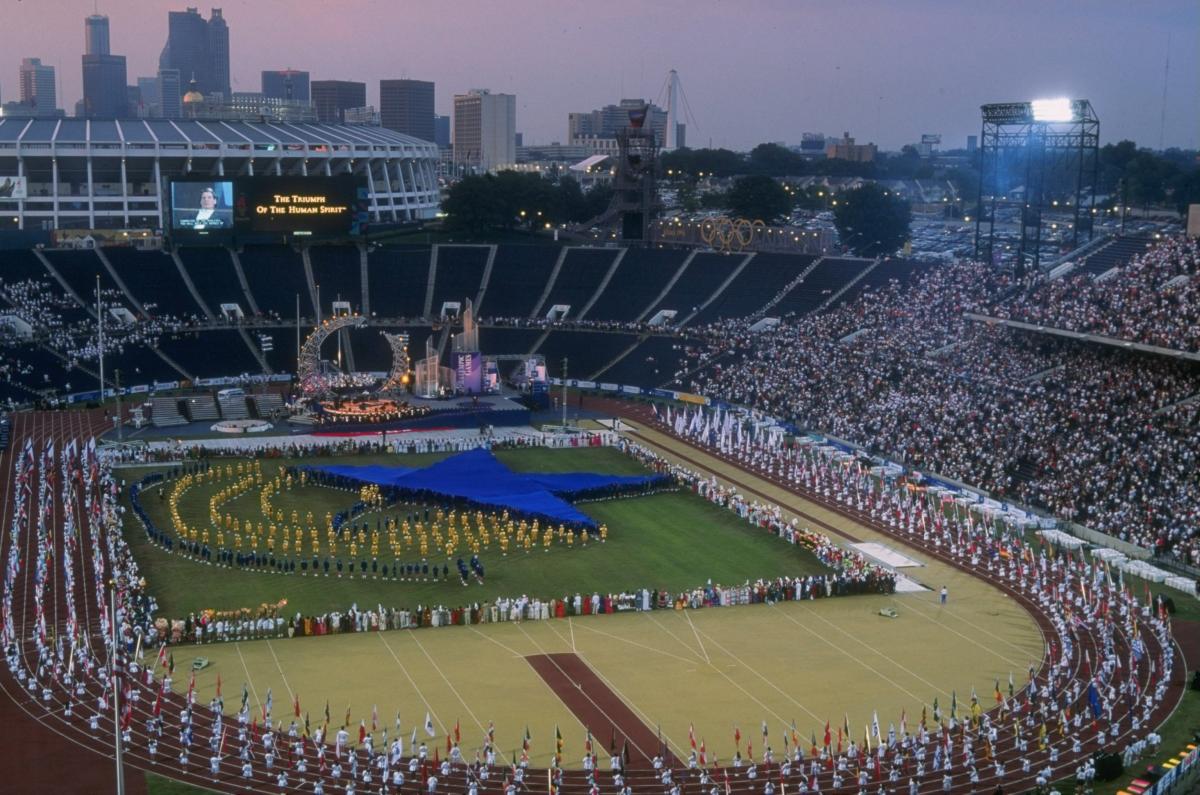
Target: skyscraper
(37, 87)
(104, 87)
(95, 35)
(199, 49)
(406, 106)
(286, 84)
(334, 97)
(105, 93)
(170, 94)
(441, 130)
(484, 130)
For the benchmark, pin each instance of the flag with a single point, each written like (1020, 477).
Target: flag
(737, 737)
(1010, 684)
(558, 744)
(362, 731)
(999, 696)
(692, 736)
(764, 731)
(1094, 699)
(326, 713)
(296, 705)
(268, 705)
(457, 734)
(245, 695)
(374, 718)
(191, 689)
(346, 722)
(875, 726)
(218, 684)
(828, 737)
(953, 705)
(429, 725)
(171, 663)
(525, 741)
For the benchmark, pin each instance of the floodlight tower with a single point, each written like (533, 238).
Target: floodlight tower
(672, 142)
(1036, 157)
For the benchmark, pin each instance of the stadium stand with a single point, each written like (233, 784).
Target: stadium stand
(754, 286)
(655, 361)
(398, 276)
(200, 408)
(830, 275)
(519, 276)
(890, 270)
(211, 353)
(705, 273)
(79, 269)
(267, 405)
(154, 280)
(459, 274)
(582, 272)
(276, 276)
(211, 271)
(233, 407)
(336, 270)
(1113, 254)
(642, 275)
(588, 351)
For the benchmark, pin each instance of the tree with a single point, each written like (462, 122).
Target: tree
(774, 160)
(759, 198)
(871, 222)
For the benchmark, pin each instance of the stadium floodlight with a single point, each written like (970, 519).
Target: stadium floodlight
(1052, 110)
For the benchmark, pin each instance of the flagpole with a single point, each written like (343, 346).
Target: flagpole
(112, 661)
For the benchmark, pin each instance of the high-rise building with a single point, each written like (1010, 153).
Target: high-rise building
(37, 87)
(104, 85)
(334, 97)
(406, 106)
(441, 130)
(484, 130)
(286, 84)
(607, 121)
(148, 91)
(95, 35)
(198, 49)
(170, 94)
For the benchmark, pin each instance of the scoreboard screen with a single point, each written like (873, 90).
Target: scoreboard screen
(215, 209)
(301, 206)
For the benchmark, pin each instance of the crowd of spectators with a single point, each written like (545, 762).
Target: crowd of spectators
(1089, 432)
(1134, 304)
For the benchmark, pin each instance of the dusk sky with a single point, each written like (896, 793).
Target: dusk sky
(752, 70)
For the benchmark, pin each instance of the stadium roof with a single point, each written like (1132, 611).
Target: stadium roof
(201, 131)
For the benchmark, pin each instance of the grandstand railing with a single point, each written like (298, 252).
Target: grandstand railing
(1114, 342)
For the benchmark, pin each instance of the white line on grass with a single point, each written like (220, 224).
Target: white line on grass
(508, 649)
(238, 647)
(571, 626)
(446, 679)
(696, 632)
(404, 670)
(674, 637)
(994, 636)
(639, 645)
(282, 675)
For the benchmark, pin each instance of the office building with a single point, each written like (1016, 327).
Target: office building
(151, 107)
(604, 123)
(198, 49)
(37, 87)
(334, 97)
(170, 94)
(286, 84)
(484, 131)
(406, 106)
(104, 87)
(845, 148)
(441, 130)
(95, 35)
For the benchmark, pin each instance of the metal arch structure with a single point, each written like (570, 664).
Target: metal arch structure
(730, 234)
(308, 367)
(1043, 169)
(397, 376)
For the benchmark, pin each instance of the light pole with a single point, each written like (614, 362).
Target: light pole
(114, 673)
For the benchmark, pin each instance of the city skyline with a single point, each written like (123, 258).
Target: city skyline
(930, 65)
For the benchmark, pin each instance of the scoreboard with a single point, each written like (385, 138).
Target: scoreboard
(219, 209)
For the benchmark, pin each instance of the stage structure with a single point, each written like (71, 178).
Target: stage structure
(397, 377)
(468, 361)
(635, 201)
(312, 377)
(432, 380)
(1038, 165)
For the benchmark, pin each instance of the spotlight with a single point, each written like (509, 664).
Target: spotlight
(1058, 109)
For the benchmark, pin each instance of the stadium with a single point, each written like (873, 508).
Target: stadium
(589, 518)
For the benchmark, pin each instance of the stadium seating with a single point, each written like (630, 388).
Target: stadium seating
(830, 275)
(654, 362)
(706, 272)
(276, 276)
(581, 273)
(642, 275)
(459, 274)
(209, 354)
(337, 271)
(267, 404)
(1113, 254)
(398, 277)
(757, 284)
(233, 407)
(79, 269)
(587, 351)
(889, 270)
(154, 280)
(200, 408)
(519, 275)
(211, 271)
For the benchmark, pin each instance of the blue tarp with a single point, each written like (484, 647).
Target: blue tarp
(479, 477)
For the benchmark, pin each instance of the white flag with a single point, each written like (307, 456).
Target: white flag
(428, 725)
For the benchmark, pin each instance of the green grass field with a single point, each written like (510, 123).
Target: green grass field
(669, 540)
